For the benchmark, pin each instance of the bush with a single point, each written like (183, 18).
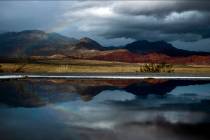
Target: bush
(157, 68)
(64, 68)
(1, 69)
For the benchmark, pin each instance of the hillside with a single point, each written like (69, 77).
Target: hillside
(39, 44)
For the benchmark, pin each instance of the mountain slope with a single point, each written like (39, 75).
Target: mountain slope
(126, 56)
(39, 44)
(31, 42)
(35, 43)
(145, 47)
(87, 43)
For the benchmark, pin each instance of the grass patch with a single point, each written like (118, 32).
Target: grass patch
(93, 66)
(157, 68)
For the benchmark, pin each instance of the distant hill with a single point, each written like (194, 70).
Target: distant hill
(87, 43)
(32, 42)
(39, 44)
(145, 47)
(35, 42)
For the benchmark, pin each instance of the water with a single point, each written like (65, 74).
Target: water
(60, 109)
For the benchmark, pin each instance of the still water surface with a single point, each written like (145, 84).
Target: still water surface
(61, 109)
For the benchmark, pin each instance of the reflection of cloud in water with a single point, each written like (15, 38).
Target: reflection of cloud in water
(110, 109)
(114, 95)
(104, 113)
(109, 117)
(198, 90)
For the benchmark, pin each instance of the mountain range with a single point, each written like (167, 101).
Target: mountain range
(39, 44)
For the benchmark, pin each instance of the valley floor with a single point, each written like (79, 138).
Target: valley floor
(90, 66)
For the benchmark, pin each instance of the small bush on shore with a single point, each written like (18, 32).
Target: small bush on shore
(1, 69)
(63, 68)
(157, 68)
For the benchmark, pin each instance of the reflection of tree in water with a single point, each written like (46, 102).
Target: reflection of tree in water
(32, 92)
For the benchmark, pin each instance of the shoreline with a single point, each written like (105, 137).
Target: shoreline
(106, 76)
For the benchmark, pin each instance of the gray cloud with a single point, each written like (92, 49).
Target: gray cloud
(151, 20)
(189, 26)
(161, 7)
(176, 20)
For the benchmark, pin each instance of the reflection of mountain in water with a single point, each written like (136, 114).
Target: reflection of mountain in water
(159, 87)
(34, 92)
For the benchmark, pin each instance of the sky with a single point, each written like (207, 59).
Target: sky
(185, 24)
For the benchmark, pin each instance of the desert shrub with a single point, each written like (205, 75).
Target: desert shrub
(64, 68)
(157, 68)
(1, 69)
(22, 62)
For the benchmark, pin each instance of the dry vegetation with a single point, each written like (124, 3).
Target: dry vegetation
(157, 68)
(92, 66)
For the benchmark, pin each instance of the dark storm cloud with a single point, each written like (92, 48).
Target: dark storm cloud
(151, 20)
(173, 20)
(189, 26)
(162, 7)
